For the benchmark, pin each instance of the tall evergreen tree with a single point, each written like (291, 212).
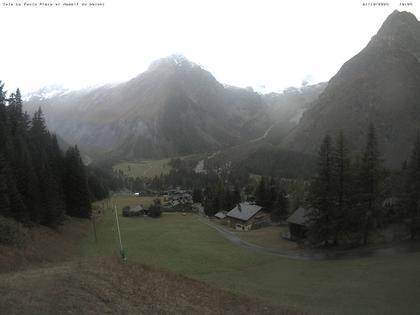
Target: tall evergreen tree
(197, 195)
(4, 122)
(208, 202)
(281, 206)
(322, 196)
(343, 188)
(75, 185)
(271, 193)
(261, 193)
(228, 204)
(236, 198)
(369, 212)
(413, 188)
(4, 192)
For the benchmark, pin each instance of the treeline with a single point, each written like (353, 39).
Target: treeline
(278, 162)
(218, 197)
(182, 174)
(352, 197)
(271, 195)
(38, 182)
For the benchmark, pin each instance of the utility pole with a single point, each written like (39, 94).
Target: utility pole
(122, 253)
(94, 228)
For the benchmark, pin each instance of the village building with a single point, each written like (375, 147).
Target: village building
(298, 223)
(246, 216)
(134, 211)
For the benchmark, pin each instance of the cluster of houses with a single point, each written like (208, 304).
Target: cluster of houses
(244, 216)
(175, 197)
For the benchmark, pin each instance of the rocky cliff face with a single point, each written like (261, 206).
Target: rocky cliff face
(381, 84)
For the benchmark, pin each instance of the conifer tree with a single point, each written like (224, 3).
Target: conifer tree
(228, 204)
(13, 202)
(281, 206)
(208, 202)
(4, 122)
(413, 187)
(75, 185)
(197, 195)
(342, 178)
(261, 193)
(271, 193)
(322, 197)
(369, 212)
(4, 194)
(236, 198)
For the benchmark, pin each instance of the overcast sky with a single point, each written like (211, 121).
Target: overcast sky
(268, 45)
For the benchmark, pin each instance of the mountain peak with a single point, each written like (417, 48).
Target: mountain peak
(175, 60)
(398, 22)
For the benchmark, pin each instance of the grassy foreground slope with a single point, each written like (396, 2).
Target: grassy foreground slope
(45, 246)
(376, 285)
(47, 278)
(108, 286)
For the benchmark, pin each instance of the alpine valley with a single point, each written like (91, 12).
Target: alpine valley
(177, 108)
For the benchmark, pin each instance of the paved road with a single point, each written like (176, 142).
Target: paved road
(406, 247)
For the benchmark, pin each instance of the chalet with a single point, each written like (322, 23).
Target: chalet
(134, 211)
(298, 223)
(246, 216)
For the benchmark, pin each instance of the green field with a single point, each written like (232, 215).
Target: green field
(377, 285)
(268, 237)
(149, 169)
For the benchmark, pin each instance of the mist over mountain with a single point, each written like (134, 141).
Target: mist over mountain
(178, 108)
(287, 108)
(174, 108)
(381, 84)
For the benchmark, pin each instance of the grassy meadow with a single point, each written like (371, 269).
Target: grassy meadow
(375, 285)
(268, 237)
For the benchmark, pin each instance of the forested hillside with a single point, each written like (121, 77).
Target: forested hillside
(38, 182)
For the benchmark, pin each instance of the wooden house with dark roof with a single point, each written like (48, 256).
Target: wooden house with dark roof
(298, 223)
(246, 216)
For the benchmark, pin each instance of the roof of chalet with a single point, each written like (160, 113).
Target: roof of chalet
(137, 208)
(244, 211)
(299, 216)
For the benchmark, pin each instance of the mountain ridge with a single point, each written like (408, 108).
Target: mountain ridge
(380, 84)
(174, 108)
(146, 116)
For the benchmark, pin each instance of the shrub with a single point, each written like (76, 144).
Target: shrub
(155, 210)
(126, 211)
(12, 232)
